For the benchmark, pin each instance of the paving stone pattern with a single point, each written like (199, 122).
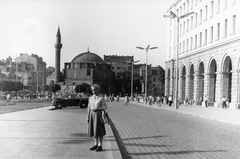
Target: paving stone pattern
(149, 133)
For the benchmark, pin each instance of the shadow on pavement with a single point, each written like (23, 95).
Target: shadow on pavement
(177, 152)
(79, 134)
(146, 137)
(76, 141)
(121, 146)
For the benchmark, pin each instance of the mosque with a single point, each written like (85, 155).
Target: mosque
(86, 67)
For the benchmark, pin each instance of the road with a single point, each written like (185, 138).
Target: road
(149, 133)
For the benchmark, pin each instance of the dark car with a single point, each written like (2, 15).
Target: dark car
(70, 100)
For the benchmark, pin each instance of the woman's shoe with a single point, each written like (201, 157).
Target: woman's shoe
(99, 148)
(94, 147)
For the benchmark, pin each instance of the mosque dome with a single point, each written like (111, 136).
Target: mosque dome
(87, 57)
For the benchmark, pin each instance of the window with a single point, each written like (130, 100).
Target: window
(88, 72)
(184, 9)
(200, 19)
(180, 30)
(234, 24)
(212, 8)
(200, 39)
(225, 30)
(170, 35)
(219, 1)
(211, 34)
(225, 4)
(191, 4)
(206, 12)
(187, 46)
(183, 46)
(195, 19)
(205, 43)
(187, 6)
(183, 28)
(180, 10)
(191, 43)
(191, 22)
(195, 41)
(187, 25)
(170, 52)
(180, 48)
(218, 31)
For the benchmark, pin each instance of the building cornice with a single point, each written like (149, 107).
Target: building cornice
(174, 4)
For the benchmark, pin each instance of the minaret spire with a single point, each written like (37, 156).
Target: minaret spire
(58, 47)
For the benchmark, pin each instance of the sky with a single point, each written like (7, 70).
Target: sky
(106, 27)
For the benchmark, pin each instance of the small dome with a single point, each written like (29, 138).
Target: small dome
(87, 57)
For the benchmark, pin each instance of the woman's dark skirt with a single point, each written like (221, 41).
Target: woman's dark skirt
(95, 126)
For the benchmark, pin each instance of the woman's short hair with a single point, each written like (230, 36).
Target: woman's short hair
(96, 86)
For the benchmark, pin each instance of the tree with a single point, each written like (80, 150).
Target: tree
(46, 87)
(84, 87)
(54, 88)
(17, 87)
(6, 86)
(123, 82)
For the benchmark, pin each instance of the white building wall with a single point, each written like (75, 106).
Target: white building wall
(203, 24)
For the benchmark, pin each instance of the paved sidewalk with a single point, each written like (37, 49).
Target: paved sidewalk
(231, 116)
(44, 133)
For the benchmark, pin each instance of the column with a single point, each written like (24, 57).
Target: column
(218, 94)
(235, 90)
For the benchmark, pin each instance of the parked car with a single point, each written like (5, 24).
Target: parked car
(70, 100)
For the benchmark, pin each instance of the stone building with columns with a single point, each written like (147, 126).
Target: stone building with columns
(208, 52)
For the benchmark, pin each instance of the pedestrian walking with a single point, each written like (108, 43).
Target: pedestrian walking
(227, 102)
(158, 101)
(96, 128)
(170, 101)
(206, 101)
(224, 102)
(117, 98)
(126, 100)
(186, 101)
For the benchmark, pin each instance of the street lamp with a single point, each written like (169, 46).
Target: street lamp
(147, 48)
(132, 62)
(172, 16)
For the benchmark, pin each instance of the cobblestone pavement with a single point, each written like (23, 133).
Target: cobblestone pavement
(148, 133)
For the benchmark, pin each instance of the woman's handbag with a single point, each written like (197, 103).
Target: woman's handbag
(105, 118)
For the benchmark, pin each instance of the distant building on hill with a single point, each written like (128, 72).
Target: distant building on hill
(118, 63)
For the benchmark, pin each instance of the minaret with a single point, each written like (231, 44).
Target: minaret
(58, 47)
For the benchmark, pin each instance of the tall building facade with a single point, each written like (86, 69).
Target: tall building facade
(32, 70)
(209, 51)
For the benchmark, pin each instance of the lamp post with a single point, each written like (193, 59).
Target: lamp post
(172, 16)
(132, 62)
(147, 48)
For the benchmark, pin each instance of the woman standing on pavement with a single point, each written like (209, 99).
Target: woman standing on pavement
(96, 128)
